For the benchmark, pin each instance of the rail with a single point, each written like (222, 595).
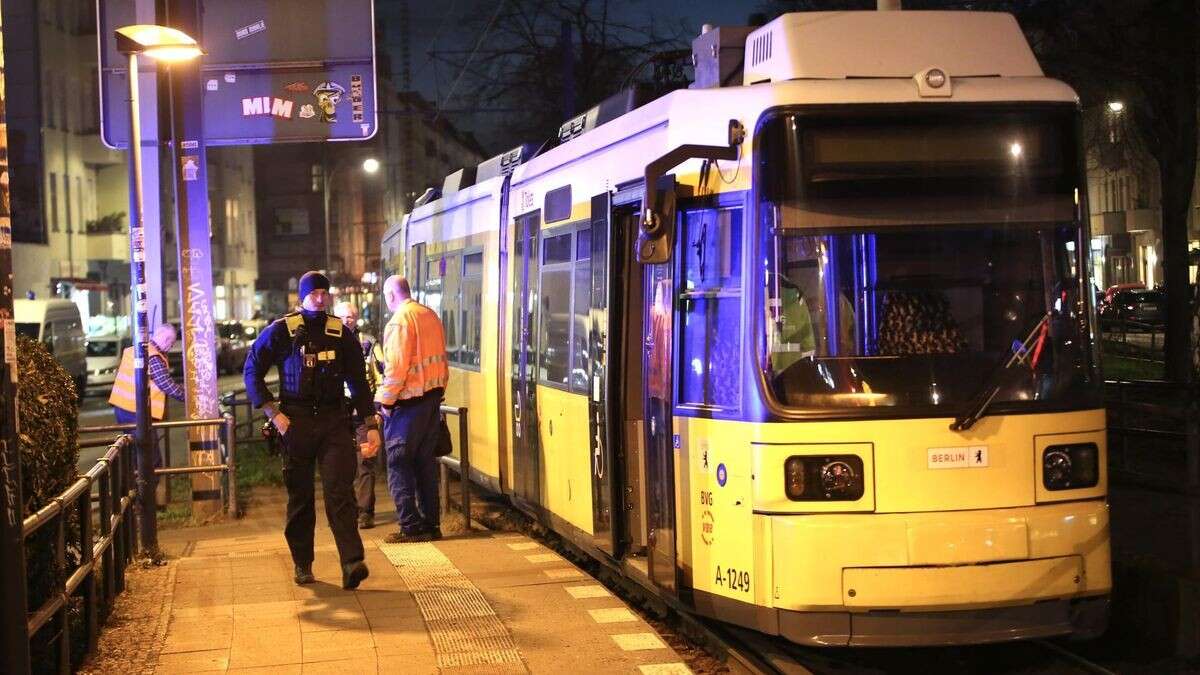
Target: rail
(106, 555)
(228, 421)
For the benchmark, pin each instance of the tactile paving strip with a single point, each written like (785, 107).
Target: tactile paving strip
(464, 627)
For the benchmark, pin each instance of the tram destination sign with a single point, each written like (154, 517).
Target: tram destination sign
(274, 71)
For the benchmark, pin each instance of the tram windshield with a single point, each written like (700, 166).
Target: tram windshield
(907, 258)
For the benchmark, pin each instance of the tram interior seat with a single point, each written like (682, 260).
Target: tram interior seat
(918, 322)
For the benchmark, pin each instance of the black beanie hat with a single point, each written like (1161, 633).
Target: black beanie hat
(312, 281)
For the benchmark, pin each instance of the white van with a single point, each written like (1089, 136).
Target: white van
(56, 324)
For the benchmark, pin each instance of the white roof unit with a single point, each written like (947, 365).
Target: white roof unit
(839, 45)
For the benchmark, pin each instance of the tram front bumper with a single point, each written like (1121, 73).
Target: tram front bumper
(942, 577)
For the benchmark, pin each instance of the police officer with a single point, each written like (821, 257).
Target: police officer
(316, 358)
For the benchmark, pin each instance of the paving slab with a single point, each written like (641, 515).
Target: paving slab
(473, 603)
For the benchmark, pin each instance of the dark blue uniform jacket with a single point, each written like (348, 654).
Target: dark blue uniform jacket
(316, 364)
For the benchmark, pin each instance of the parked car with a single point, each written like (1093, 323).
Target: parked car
(1134, 309)
(1117, 288)
(104, 357)
(56, 324)
(233, 343)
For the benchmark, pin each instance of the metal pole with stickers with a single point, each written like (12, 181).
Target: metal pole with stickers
(168, 45)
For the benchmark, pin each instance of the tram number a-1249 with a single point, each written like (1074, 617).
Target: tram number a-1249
(733, 579)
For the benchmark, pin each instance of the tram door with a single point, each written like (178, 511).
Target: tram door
(526, 461)
(604, 352)
(658, 315)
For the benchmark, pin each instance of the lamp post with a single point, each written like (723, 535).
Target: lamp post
(370, 165)
(166, 45)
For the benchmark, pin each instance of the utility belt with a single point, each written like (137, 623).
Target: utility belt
(293, 408)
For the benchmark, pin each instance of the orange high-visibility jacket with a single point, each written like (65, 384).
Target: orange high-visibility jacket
(124, 395)
(414, 349)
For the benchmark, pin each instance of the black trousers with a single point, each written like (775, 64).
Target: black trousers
(321, 439)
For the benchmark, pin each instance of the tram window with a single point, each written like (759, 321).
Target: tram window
(471, 304)
(563, 319)
(433, 284)
(451, 303)
(710, 308)
(554, 338)
(581, 305)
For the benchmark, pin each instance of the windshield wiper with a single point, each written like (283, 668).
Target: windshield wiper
(991, 387)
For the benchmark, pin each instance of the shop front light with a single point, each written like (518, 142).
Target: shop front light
(823, 478)
(1070, 467)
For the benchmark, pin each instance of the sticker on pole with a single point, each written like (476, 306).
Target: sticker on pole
(253, 29)
(189, 166)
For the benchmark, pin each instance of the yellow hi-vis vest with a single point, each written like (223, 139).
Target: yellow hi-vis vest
(124, 396)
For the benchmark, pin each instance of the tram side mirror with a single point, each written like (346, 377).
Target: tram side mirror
(656, 234)
(656, 230)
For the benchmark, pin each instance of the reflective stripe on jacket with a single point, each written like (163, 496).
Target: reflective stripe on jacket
(124, 395)
(414, 348)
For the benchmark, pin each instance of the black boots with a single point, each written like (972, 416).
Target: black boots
(353, 574)
(304, 574)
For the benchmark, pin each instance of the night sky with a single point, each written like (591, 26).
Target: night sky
(436, 26)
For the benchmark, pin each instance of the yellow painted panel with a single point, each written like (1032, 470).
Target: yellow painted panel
(811, 551)
(720, 551)
(566, 456)
(973, 541)
(1042, 441)
(963, 586)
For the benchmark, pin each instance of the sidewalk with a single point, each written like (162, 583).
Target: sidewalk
(484, 602)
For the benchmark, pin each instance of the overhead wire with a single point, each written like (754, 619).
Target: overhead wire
(478, 43)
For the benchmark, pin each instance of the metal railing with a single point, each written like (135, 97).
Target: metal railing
(227, 421)
(462, 465)
(231, 401)
(1154, 434)
(110, 552)
(1147, 344)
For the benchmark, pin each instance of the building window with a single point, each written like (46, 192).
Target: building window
(710, 308)
(53, 202)
(291, 222)
(67, 203)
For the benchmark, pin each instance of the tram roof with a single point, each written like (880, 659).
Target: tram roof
(831, 58)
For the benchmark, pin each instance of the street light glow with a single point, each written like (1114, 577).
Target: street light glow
(157, 42)
(1116, 106)
(370, 165)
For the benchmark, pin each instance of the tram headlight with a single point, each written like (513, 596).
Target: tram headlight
(1070, 467)
(823, 478)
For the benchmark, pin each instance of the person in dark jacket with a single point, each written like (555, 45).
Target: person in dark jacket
(317, 359)
(364, 480)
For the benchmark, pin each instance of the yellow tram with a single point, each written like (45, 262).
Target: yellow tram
(812, 353)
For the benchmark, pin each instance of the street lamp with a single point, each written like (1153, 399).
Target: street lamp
(1116, 106)
(169, 46)
(370, 165)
